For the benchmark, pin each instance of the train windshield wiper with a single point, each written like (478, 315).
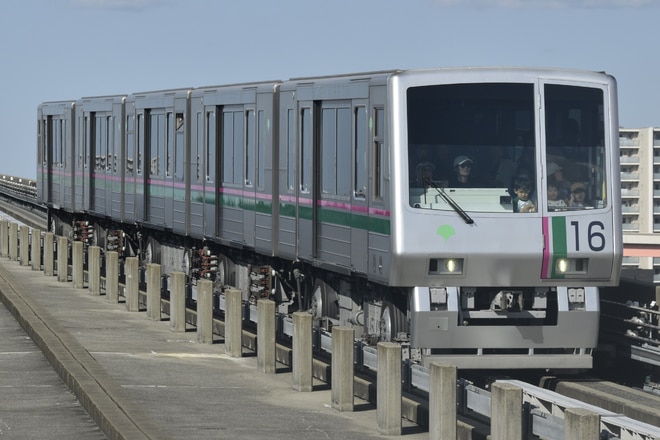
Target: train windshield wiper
(449, 201)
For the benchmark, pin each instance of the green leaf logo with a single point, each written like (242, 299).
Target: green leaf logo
(445, 231)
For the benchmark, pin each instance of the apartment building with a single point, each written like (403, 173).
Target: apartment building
(640, 193)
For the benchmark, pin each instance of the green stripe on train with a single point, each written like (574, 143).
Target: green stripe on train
(559, 244)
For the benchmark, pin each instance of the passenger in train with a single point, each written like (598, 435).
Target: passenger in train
(557, 174)
(522, 201)
(554, 201)
(578, 195)
(462, 170)
(424, 168)
(501, 169)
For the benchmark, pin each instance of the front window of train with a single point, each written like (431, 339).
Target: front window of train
(472, 147)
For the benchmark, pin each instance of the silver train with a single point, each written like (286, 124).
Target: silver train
(469, 213)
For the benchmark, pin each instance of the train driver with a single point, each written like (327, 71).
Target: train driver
(462, 171)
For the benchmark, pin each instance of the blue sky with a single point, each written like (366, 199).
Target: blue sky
(67, 49)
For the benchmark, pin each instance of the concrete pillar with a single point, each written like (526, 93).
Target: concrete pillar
(94, 270)
(77, 263)
(178, 301)
(506, 412)
(132, 284)
(388, 390)
(205, 311)
(13, 241)
(24, 245)
(62, 259)
(153, 292)
(581, 424)
(301, 367)
(233, 323)
(442, 402)
(266, 336)
(4, 237)
(35, 249)
(49, 254)
(342, 368)
(112, 277)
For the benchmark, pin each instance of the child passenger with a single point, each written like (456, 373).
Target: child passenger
(554, 202)
(578, 195)
(522, 202)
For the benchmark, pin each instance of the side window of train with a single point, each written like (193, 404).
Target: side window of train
(210, 146)
(179, 146)
(99, 141)
(306, 150)
(379, 153)
(575, 147)
(262, 132)
(169, 145)
(250, 148)
(110, 158)
(159, 143)
(199, 147)
(291, 150)
(87, 141)
(335, 150)
(360, 154)
(79, 135)
(140, 143)
(130, 145)
(62, 145)
(233, 139)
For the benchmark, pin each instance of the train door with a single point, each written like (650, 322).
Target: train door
(249, 178)
(150, 163)
(175, 200)
(378, 265)
(43, 159)
(115, 181)
(208, 168)
(179, 200)
(266, 206)
(195, 168)
(306, 196)
(236, 193)
(141, 168)
(167, 159)
(104, 177)
(359, 192)
(287, 179)
(85, 186)
(156, 145)
(334, 210)
(130, 163)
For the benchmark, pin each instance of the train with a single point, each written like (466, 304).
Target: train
(410, 205)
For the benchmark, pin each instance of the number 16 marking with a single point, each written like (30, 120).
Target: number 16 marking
(596, 238)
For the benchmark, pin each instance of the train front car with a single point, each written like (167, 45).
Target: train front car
(506, 213)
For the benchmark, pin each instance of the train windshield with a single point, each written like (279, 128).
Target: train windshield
(473, 147)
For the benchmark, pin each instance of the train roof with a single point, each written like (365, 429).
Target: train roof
(376, 75)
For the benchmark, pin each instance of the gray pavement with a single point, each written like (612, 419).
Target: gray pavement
(147, 381)
(34, 402)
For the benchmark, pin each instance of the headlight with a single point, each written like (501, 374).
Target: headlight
(446, 266)
(568, 266)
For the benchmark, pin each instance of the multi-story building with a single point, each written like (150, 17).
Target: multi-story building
(640, 193)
